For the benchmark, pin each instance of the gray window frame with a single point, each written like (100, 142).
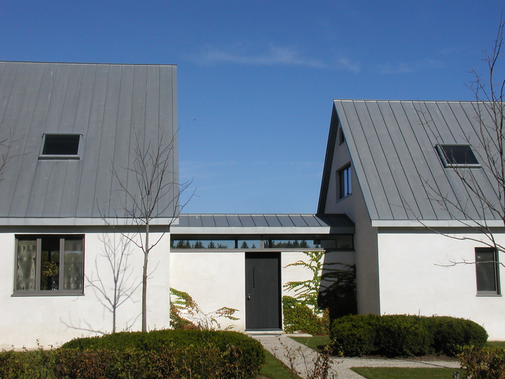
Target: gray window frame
(480, 279)
(38, 291)
(447, 164)
(45, 136)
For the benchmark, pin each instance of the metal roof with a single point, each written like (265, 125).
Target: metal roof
(392, 145)
(263, 224)
(102, 103)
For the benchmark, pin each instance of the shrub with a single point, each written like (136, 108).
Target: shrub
(350, 337)
(451, 334)
(486, 363)
(205, 353)
(299, 317)
(399, 336)
(403, 335)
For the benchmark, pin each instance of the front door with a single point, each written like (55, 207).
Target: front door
(263, 291)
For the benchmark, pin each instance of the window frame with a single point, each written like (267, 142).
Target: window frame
(444, 158)
(45, 137)
(344, 179)
(496, 272)
(38, 270)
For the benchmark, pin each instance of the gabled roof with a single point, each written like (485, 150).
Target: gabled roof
(304, 224)
(392, 145)
(101, 103)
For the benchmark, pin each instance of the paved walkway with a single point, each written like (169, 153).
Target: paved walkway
(302, 358)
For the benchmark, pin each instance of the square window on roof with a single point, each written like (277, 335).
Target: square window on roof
(60, 146)
(457, 155)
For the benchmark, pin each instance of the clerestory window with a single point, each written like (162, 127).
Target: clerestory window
(49, 265)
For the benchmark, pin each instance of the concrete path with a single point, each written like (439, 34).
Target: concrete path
(302, 358)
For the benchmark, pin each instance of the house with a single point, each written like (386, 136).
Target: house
(422, 237)
(69, 133)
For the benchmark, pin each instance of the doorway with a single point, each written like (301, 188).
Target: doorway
(263, 291)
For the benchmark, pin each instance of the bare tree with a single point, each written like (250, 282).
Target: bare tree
(153, 194)
(489, 109)
(116, 252)
(6, 154)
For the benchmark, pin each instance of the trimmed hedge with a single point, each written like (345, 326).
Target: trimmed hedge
(404, 335)
(157, 354)
(215, 353)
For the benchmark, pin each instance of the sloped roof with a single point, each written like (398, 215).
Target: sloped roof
(263, 223)
(392, 145)
(101, 102)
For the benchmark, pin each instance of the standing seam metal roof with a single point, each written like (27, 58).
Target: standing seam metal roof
(103, 103)
(392, 148)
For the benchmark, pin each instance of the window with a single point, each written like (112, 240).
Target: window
(486, 265)
(49, 265)
(341, 137)
(344, 182)
(457, 156)
(60, 146)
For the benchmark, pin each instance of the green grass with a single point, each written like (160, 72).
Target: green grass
(317, 343)
(500, 344)
(407, 373)
(274, 368)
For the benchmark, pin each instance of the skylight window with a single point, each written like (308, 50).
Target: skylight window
(457, 156)
(60, 146)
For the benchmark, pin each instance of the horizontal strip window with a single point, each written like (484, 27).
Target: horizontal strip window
(341, 242)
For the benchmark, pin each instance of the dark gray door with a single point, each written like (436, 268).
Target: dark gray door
(263, 291)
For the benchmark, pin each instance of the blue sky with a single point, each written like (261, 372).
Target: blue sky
(256, 79)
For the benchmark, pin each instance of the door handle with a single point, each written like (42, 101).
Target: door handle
(248, 297)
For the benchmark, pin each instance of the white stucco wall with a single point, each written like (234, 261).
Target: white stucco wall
(217, 279)
(52, 320)
(414, 280)
(214, 280)
(365, 237)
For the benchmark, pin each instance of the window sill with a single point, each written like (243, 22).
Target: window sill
(46, 293)
(60, 157)
(484, 294)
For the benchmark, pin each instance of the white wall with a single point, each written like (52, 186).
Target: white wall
(414, 280)
(365, 237)
(217, 279)
(52, 320)
(213, 280)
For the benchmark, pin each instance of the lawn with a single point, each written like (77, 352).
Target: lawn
(274, 368)
(317, 343)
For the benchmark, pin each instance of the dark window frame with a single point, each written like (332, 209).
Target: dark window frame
(344, 185)
(455, 158)
(487, 271)
(60, 146)
(38, 239)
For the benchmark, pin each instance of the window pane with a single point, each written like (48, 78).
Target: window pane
(249, 244)
(61, 144)
(486, 270)
(26, 265)
(50, 264)
(73, 265)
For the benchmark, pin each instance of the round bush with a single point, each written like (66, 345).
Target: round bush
(404, 335)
